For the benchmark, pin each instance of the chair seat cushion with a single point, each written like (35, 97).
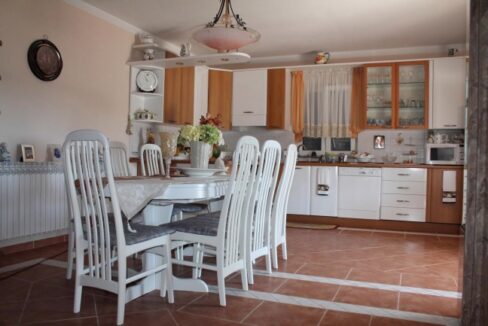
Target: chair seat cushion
(206, 224)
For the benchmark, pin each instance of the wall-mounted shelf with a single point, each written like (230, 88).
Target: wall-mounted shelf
(146, 46)
(147, 121)
(146, 94)
(196, 60)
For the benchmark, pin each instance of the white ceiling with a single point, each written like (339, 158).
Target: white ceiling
(295, 27)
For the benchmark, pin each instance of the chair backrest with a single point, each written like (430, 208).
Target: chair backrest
(88, 167)
(232, 223)
(278, 222)
(120, 162)
(259, 221)
(151, 160)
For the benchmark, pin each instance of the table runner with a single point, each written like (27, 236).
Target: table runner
(134, 193)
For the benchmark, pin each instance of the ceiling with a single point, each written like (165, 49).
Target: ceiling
(291, 27)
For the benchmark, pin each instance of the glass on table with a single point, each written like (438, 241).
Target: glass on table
(169, 142)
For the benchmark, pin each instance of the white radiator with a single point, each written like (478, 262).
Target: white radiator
(33, 202)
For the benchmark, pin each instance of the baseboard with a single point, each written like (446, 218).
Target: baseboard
(33, 244)
(423, 227)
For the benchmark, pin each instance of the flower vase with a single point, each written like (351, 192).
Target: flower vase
(200, 154)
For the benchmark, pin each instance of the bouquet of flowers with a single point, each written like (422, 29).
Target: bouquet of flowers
(208, 132)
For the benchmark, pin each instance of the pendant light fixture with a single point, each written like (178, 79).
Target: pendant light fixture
(227, 31)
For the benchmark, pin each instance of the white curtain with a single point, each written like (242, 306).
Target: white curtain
(327, 95)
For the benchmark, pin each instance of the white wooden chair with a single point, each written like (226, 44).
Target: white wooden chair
(278, 215)
(120, 161)
(223, 234)
(87, 165)
(258, 242)
(151, 160)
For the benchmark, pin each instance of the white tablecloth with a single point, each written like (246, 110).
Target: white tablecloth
(134, 193)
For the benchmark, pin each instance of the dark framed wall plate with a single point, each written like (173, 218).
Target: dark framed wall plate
(44, 60)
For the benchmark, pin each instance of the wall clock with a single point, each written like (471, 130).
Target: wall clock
(147, 81)
(44, 60)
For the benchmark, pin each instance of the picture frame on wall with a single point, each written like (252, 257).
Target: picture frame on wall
(379, 142)
(28, 153)
(54, 152)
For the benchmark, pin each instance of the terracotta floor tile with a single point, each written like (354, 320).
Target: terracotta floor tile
(429, 282)
(261, 283)
(13, 290)
(186, 319)
(87, 321)
(291, 265)
(148, 318)
(45, 252)
(384, 321)
(375, 276)
(42, 291)
(430, 304)
(271, 313)
(367, 297)
(10, 312)
(57, 309)
(208, 305)
(40, 272)
(308, 289)
(329, 270)
(339, 318)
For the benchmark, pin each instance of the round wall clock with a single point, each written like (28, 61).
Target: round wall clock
(147, 81)
(44, 60)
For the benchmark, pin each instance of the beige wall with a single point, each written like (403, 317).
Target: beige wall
(92, 90)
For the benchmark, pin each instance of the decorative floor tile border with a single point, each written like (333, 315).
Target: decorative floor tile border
(337, 306)
(369, 285)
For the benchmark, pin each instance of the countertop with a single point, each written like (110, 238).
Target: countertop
(381, 165)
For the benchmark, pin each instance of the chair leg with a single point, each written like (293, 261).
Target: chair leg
(268, 263)
(121, 295)
(283, 249)
(78, 286)
(167, 275)
(196, 260)
(245, 286)
(221, 286)
(250, 272)
(274, 256)
(71, 249)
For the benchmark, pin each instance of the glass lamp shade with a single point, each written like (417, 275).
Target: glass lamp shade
(224, 39)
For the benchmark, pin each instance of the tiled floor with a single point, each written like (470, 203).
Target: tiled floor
(332, 277)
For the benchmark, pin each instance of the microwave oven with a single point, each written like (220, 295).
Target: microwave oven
(444, 154)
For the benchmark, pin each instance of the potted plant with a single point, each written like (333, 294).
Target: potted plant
(201, 140)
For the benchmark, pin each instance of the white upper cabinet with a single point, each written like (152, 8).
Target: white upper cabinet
(249, 98)
(448, 93)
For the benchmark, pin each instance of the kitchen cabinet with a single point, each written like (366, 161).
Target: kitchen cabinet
(324, 191)
(220, 96)
(275, 116)
(249, 98)
(403, 194)
(396, 95)
(443, 207)
(359, 192)
(185, 94)
(448, 93)
(299, 202)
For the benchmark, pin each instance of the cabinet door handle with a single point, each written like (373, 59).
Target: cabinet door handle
(248, 112)
(450, 125)
(362, 172)
(403, 201)
(403, 188)
(402, 214)
(403, 174)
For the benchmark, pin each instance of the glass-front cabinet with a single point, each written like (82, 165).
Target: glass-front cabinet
(396, 95)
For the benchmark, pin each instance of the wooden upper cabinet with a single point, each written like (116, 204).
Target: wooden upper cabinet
(396, 95)
(439, 211)
(220, 96)
(179, 86)
(275, 116)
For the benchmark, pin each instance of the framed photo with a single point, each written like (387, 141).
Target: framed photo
(379, 142)
(54, 151)
(28, 153)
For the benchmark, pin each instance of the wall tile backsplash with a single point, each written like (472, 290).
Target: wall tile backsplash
(413, 141)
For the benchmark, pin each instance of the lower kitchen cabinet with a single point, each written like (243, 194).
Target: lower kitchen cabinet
(445, 195)
(323, 191)
(299, 200)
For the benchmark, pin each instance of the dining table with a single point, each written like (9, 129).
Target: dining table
(135, 194)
